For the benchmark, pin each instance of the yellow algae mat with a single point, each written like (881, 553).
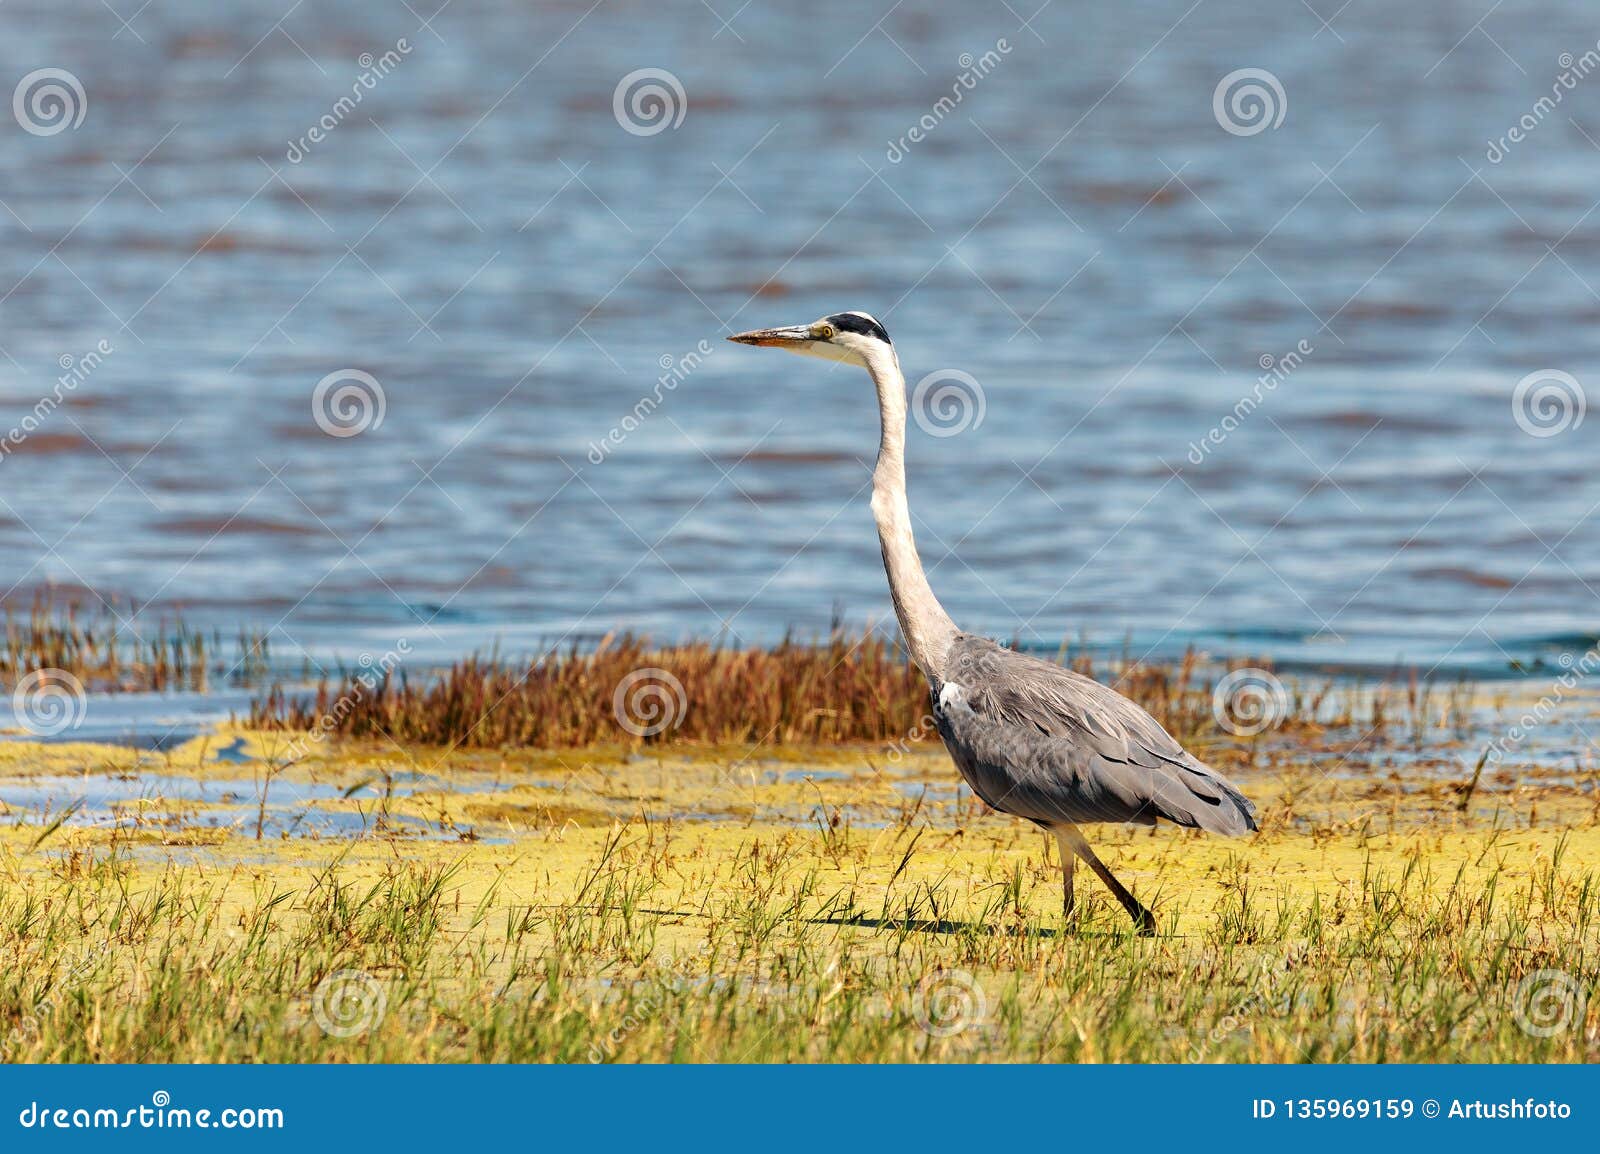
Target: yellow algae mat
(371, 903)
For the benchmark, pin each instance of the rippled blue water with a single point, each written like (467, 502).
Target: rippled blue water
(1079, 234)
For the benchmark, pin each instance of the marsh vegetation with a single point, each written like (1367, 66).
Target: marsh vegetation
(744, 901)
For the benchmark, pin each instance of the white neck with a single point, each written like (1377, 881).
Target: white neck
(925, 625)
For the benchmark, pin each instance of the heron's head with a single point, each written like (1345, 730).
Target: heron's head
(850, 337)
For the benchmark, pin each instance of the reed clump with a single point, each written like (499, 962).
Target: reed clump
(106, 648)
(849, 687)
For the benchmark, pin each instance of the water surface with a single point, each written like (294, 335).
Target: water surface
(1079, 235)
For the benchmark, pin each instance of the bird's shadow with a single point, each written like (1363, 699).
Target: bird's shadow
(947, 926)
(933, 926)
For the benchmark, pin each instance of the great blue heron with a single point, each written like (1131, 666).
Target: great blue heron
(1030, 737)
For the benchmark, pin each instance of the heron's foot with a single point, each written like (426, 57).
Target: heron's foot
(1146, 921)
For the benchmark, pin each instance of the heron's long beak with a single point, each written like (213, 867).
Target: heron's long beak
(788, 337)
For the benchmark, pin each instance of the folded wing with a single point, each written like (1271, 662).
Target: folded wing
(1045, 743)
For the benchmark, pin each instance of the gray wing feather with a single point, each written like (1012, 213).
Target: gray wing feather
(1042, 742)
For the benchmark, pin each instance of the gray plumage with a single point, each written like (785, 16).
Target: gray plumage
(1031, 738)
(1048, 744)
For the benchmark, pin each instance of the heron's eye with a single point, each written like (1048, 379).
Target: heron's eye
(823, 332)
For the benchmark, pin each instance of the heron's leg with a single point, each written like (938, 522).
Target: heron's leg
(1068, 861)
(1142, 917)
